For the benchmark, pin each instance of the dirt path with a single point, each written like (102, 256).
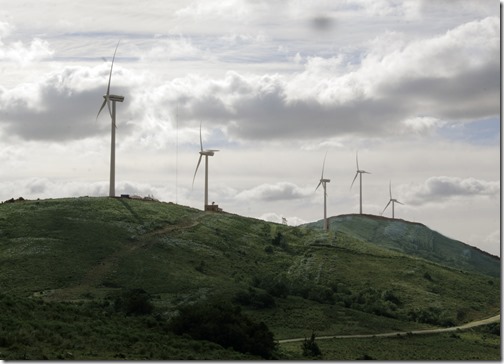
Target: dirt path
(403, 333)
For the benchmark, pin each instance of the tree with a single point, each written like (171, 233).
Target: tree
(310, 347)
(225, 325)
(134, 302)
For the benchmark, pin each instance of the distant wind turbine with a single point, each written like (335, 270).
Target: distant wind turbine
(393, 200)
(112, 111)
(323, 182)
(359, 172)
(207, 153)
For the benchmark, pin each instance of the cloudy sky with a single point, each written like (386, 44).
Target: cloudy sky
(412, 85)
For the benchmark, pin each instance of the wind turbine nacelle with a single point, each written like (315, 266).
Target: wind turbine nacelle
(209, 152)
(325, 180)
(114, 98)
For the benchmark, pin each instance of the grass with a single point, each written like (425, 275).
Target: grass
(414, 239)
(78, 252)
(35, 329)
(471, 345)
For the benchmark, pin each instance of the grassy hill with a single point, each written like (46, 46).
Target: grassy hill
(73, 260)
(414, 239)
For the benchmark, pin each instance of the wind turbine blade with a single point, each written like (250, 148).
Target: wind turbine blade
(111, 67)
(390, 189)
(107, 100)
(200, 139)
(357, 159)
(400, 203)
(110, 80)
(196, 171)
(356, 174)
(323, 166)
(386, 207)
(318, 185)
(101, 108)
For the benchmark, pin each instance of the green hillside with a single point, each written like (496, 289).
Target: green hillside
(414, 239)
(75, 262)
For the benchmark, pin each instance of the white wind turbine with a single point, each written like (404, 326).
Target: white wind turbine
(323, 182)
(207, 153)
(359, 172)
(112, 111)
(393, 200)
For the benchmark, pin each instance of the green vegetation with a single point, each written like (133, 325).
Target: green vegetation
(414, 239)
(133, 269)
(227, 326)
(35, 329)
(475, 344)
(310, 348)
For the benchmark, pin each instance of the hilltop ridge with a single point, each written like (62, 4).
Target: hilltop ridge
(414, 238)
(90, 251)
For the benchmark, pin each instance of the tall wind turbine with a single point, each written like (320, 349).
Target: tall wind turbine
(359, 173)
(112, 111)
(393, 200)
(207, 153)
(323, 182)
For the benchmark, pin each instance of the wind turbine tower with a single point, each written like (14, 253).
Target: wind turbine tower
(111, 99)
(323, 182)
(207, 153)
(359, 173)
(393, 200)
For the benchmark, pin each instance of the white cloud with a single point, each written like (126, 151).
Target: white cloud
(34, 188)
(274, 192)
(173, 48)
(230, 10)
(274, 217)
(442, 188)
(17, 51)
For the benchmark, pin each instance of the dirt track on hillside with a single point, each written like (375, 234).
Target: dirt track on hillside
(403, 333)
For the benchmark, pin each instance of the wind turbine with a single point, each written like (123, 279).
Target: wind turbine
(112, 111)
(323, 182)
(207, 153)
(359, 172)
(393, 200)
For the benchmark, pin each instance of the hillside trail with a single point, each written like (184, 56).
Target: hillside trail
(466, 326)
(94, 277)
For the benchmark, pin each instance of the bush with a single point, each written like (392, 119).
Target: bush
(427, 276)
(134, 302)
(269, 249)
(273, 285)
(227, 326)
(254, 299)
(310, 347)
(321, 294)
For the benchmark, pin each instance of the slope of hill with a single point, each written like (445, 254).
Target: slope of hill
(414, 239)
(89, 251)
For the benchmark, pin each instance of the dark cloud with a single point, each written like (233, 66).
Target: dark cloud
(54, 111)
(472, 94)
(439, 189)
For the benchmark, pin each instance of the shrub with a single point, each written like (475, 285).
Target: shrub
(427, 276)
(310, 348)
(277, 240)
(134, 302)
(321, 294)
(254, 299)
(225, 325)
